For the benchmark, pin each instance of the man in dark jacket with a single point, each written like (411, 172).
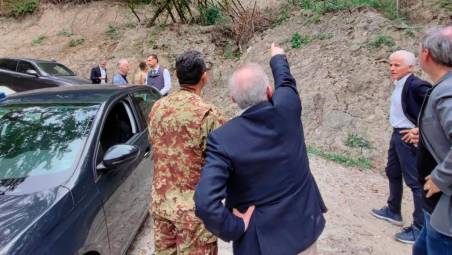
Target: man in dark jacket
(99, 73)
(406, 102)
(435, 151)
(258, 162)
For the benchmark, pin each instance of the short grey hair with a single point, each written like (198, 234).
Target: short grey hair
(122, 61)
(408, 57)
(438, 40)
(248, 85)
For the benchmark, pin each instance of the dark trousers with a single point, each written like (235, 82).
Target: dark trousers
(402, 166)
(431, 242)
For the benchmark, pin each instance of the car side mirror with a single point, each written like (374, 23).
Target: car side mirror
(32, 72)
(120, 154)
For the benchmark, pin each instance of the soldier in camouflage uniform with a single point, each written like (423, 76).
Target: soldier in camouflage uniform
(178, 129)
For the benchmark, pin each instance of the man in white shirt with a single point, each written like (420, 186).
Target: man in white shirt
(406, 102)
(158, 77)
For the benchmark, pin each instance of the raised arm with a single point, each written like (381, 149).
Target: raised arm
(286, 93)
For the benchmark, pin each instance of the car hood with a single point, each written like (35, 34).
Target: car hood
(25, 218)
(73, 80)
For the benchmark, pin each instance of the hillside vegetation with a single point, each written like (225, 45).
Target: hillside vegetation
(337, 49)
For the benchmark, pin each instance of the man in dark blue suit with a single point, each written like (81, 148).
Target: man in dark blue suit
(406, 102)
(258, 163)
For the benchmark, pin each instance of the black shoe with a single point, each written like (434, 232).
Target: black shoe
(386, 214)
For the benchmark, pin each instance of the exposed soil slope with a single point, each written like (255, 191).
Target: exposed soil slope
(343, 83)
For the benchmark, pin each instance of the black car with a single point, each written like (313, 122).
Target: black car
(75, 169)
(26, 74)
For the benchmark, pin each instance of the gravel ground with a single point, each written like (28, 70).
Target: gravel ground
(350, 194)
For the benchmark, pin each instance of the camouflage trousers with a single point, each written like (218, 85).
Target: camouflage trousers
(189, 238)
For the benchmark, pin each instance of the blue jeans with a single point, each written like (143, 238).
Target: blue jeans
(430, 242)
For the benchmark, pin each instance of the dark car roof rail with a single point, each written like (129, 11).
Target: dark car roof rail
(52, 60)
(77, 93)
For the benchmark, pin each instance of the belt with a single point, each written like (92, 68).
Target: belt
(400, 129)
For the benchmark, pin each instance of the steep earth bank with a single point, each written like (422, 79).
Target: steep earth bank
(343, 81)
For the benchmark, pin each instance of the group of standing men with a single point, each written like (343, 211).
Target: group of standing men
(248, 180)
(256, 162)
(149, 73)
(420, 150)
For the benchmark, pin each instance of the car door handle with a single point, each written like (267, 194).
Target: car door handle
(148, 152)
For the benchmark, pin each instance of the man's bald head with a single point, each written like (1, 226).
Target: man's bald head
(248, 85)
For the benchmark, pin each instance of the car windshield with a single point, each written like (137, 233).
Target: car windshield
(55, 69)
(41, 140)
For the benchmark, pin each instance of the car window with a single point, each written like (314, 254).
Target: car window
(8, 64)
(24, 66)
(55, 69)
(144, 100)
(42, 140)
(118, 128)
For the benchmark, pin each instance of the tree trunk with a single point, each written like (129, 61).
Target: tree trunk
(162, 7)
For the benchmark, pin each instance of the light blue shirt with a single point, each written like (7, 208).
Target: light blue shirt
(396, 116)
(119, 80)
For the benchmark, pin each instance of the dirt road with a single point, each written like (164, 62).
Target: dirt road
(350, 194)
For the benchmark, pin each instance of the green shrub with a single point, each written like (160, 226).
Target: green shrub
(39, 40)
(113, 32)
(23, 7)
(76, 42)
(380, 40)
(357, 141)
(210, 15)
(343, 159)
(297, 41)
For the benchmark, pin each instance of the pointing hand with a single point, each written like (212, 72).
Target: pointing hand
(275, 50)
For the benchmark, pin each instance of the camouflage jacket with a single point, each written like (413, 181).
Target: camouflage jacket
(178, 129)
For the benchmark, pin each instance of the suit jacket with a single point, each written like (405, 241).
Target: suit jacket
(95, 74)
(435, 125)
(413, 94)
(259, 158)
(118, 79)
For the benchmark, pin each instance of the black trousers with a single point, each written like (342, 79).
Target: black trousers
(402, 166)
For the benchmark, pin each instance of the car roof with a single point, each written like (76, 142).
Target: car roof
(33, 60)
(71, 94)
